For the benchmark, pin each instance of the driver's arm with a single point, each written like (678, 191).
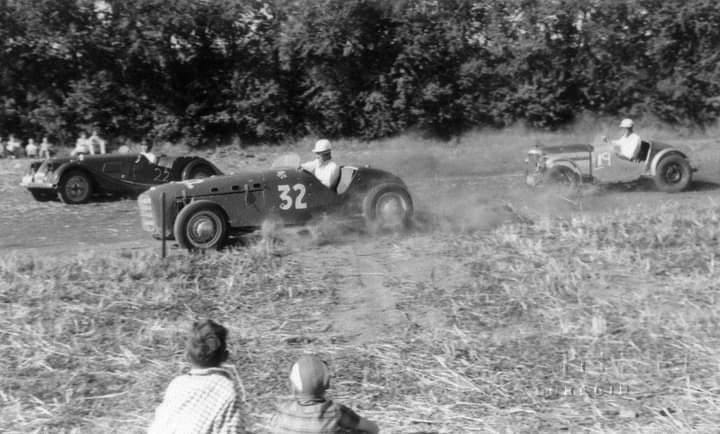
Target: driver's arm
(309, 166)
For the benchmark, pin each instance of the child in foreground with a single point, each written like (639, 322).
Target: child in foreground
(205, 400)
(309, 411)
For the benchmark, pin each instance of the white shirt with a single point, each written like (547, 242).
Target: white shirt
(150, 157)
(628, 145)
(84, 145)
(326, 172)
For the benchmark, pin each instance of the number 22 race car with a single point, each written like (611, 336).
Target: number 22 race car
(77, 179)
(202, 214)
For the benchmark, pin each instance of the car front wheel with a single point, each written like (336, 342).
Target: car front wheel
(201, 226)
(388, 207)
(75, 187)
(673, 174)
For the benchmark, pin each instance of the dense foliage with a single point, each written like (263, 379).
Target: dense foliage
(265, 70)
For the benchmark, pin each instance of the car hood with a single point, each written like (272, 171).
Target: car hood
(566, 149)
(214, 185)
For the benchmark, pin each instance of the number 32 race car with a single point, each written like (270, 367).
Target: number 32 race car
(77, 179)
(203, 213)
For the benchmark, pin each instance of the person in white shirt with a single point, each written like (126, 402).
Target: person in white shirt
(627, 146)
(31, 149)
(45, 148)
(83, 145)
(324, 169)
(14, 147)
(96, 140)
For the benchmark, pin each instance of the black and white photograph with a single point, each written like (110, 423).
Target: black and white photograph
(359, 216)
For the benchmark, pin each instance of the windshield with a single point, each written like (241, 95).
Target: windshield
(286, 160)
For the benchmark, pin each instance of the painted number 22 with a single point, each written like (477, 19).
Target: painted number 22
(287, 200)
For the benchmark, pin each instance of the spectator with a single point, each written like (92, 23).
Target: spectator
(96, 140)
(83, 146)
(2, 148)
(205, 400)
(31, 149)
(309, 411)
(14, 147)
(46, 148)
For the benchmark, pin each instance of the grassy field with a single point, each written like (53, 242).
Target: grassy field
(584, 322)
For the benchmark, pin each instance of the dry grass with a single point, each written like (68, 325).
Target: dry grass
(585, 322)
(534, 324)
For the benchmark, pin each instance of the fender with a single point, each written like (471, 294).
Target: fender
(72, 165)
(660, 155)
(564, 163)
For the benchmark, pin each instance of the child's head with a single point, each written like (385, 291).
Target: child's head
(309, 377)
(207, 347)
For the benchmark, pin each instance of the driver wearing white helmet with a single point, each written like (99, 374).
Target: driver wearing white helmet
(324, 169)
(627, 146)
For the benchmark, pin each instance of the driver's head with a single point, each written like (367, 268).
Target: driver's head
(323, 149)
(627, 124)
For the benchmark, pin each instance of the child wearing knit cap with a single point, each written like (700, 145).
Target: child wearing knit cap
(309, 411)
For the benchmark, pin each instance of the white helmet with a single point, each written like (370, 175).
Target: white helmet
(626, 123)
(321, 146)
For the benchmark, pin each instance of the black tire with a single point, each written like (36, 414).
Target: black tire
(375, 211)
(201, 226)
(673, 174)
(563, 176)
(75, 187)
(43, 195)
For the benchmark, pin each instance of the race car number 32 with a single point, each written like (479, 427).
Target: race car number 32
(287, 200)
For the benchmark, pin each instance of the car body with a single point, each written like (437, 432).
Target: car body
(668, 166)
(76, 179)
(203, 213)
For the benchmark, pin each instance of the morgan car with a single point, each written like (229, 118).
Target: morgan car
(78, 179)
(668, 167)
(202, 214)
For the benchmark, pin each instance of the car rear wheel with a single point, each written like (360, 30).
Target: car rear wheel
(198, 171)
(388, 207)
(201, 226)
(75, 187)
(673, 174)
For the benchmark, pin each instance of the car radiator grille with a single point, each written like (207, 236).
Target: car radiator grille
(146, 213)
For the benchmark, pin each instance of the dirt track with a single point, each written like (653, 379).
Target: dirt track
(369, 273)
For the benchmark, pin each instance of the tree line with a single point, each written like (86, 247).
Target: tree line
(204, 71)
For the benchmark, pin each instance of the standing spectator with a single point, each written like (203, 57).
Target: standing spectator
(31, 149)
(309, 411)
(14, 147)
(46, 148)
(83, 146)
(96, 140)
(2, 148)
(205, 400)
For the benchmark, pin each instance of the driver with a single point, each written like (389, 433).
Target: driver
(324, 169)
(147, 153)
(627, 146)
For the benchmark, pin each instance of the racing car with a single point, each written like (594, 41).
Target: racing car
(202, 214)
(667, 166)
(76, 179)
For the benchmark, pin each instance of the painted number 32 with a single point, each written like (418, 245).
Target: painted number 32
(287, 199)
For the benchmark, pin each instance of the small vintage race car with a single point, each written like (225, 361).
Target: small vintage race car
(667, 166)
(201, 214)
(77, 179)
